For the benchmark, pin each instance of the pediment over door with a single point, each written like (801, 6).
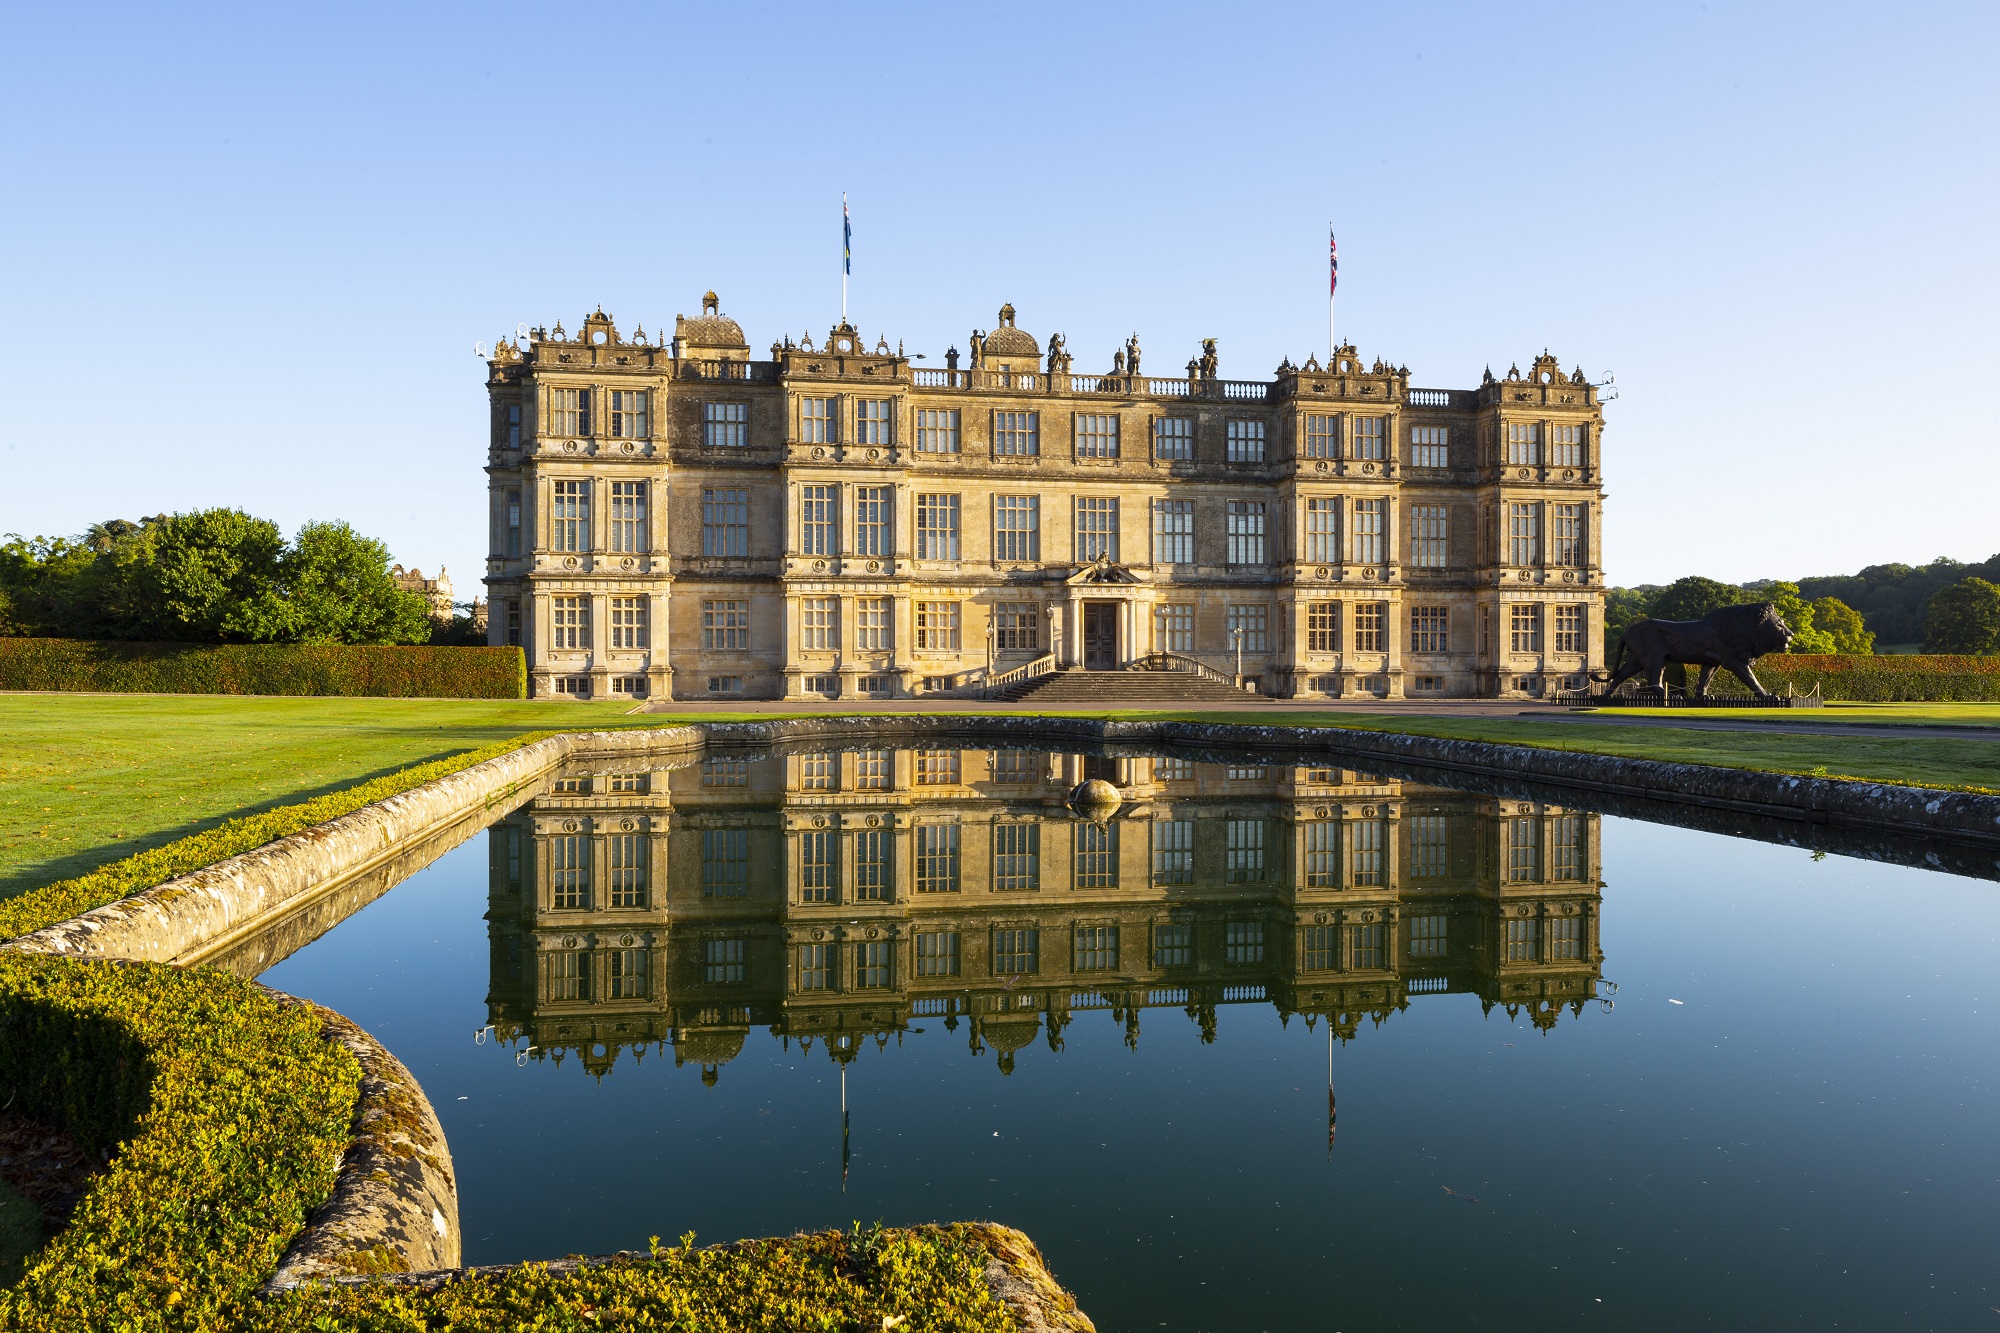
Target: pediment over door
(1101, 571)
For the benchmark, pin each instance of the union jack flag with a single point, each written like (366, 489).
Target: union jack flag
(846, 238)
(1332, 263)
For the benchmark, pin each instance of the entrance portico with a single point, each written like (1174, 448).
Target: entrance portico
(1103, 618)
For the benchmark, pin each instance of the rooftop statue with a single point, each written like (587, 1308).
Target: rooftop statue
(1132, 354)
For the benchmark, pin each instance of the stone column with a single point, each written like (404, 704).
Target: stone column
(537, 636)
(659, 640)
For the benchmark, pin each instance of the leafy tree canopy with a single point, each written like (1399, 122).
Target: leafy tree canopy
(1963, 617)
(212, 576)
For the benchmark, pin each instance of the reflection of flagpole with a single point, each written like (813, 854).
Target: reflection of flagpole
(843, 1128)
(1329, 1086)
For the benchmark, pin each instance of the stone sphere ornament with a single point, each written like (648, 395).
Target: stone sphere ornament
(1095, 796)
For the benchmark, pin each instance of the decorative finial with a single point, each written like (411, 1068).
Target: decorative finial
(709, 304)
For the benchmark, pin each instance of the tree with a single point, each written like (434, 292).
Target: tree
(1807, 636)
(1693, 597)
(337, 589)
(208, 576)
(1963, 618)
(1843, 624)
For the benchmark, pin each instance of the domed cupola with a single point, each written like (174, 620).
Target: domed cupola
(1008, 347)
(712, 336)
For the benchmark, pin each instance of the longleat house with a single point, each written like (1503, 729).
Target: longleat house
(673, 518)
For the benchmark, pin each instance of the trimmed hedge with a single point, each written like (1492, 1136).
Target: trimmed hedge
(372, 670)
(1932, 678)
(921, 1280)
(66, 898)
(230, 1112)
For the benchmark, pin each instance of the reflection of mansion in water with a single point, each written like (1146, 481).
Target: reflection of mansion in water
(838, 896)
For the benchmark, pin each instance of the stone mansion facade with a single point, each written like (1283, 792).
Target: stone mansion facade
(673, 518)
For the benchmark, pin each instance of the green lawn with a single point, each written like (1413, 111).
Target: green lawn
(1902, 715)
(87, 778)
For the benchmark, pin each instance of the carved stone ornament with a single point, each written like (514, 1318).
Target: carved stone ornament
(1320, 573)
(571, 562)
(874, 565)
(569, 941)
(819, 821)
(1367, 573)
(820, 934)
(1322, 812)
(628, 824)
(1367, 467)
(629, 563)
(874, 454)
(1569, 576)
(571, 826)
(874, 821)
(821, 453)
(1522, 474)
(1320, 466)
(1368, 812)
(874, 934)
(628, 939)
(629, 446)
(1569, 474)
(1367, 916)
(819, 566)
(569, 446)
(1319, 918)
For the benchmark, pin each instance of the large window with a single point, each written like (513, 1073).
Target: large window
(937, 527)
(569, 622)
(725, 424)
(1430, 446)
(513, 425)
(1173, 532)
(1173, 850)
(1323, 854)
(1370, 434)
(1367, 839)
(1523, 533)
(1566, 536)
(1368, 545)
(1253, 625)
(872, 423)
(1173, 438)
(1429, 936)
(1245, 441)
(819, 870)
(873, 770)
(1323, 627)
(1319, 947)
(1566, 939)
(569, 871)
(1371, 627)
(819, 421)
(1323, 531)
(725, 522)
(513, 547)
(724, 962)
(874, 963)
(818, 521)
(1428, 626)
(1017, 858)
(725, 625)
(1522, 837)
(569, 411)
(1096, 435)
(937, 431)
(1246, 532)
(1322, 436)
(873, 632)
(1017, 527)
(725, 862)
(1566, 446)
(1569, 847)
(1017, 433)
(937, 858)
(569, 976)
(820, 617)
(1173, 944)
(628, 414)
(871, 865)
(1243, 851)
(1430, 546)
(1095, 949)
(819, 967)
(569, 512)
(1366, 952)
(937, 626)
(628, 623)
(1096, 528)
(1524, 941)
(1173, 628)
(628, 515)
(1569, 629)
(937, 953)
(871, 520)
(1017, 952)
(1524, 627)
(1095, 856)
(1243, 942)
(936, 768)
(1429, 846)
(1016, 626)
(1524, 443)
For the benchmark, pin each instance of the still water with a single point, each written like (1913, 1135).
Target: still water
(1271, 1048)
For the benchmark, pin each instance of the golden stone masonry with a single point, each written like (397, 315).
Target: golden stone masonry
(672, 518)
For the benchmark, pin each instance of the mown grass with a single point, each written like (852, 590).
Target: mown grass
(1902, 715)
(89, 779)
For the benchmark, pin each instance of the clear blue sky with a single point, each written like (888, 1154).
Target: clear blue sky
(248, 251)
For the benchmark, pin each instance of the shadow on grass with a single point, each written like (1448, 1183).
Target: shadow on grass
(33, 875)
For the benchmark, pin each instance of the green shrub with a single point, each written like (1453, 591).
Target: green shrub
(391, 671)
(71, 897)
(932, 1277)
(230, 1112)
(1932, 678)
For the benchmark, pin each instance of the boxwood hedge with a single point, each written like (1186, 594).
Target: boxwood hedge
(1892, 678)
(390, 670)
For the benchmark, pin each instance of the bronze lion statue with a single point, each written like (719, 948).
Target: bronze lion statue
(1734, 637)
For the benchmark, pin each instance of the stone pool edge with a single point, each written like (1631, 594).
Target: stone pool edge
(200, 911)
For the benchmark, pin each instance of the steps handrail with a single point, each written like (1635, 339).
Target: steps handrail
(1163, 661)
(1041, 666)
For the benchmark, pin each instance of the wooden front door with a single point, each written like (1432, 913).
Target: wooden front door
(1100, 636)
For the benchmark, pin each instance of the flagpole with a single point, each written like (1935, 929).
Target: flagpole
(846, 253)
(1332, 286)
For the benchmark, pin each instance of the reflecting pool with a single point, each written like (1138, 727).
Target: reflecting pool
(1271, 1047)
